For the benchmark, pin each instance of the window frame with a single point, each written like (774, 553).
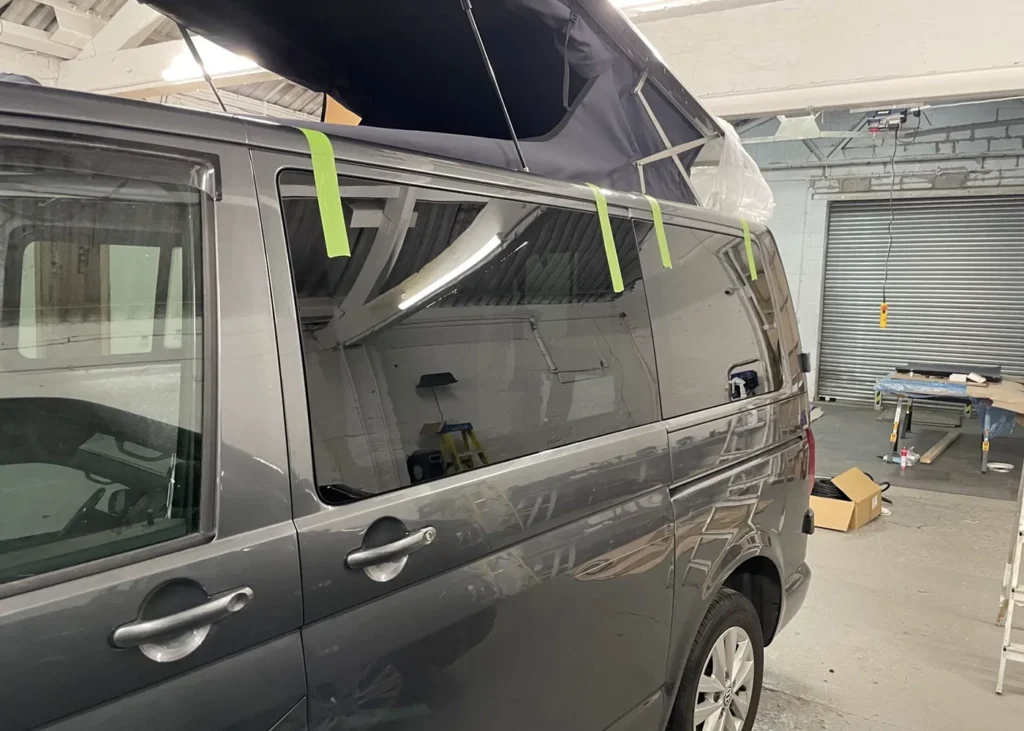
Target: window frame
(269, 160)
(789, 357)
(208, 184)
(348, 173)
(778, 378)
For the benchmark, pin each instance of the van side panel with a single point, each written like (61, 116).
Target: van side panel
(531, 632)
(545, 598)
(58, 663)
(735, 411)
(266, 688)
(727, 515)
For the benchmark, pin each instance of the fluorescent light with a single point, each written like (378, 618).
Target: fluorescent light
(452, 274)
(218, 61)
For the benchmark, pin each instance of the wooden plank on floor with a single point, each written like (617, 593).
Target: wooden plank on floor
(940, 446)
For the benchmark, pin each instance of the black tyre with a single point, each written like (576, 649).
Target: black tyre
(721, 684)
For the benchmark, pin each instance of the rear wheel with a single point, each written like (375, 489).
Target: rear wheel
(721, 684)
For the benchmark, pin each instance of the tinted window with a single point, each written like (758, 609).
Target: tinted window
(716, 329)
(101, 360)
(490, 332)
(785, 332)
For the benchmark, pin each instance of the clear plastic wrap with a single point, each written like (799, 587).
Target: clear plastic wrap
(919, 388)
(736, 186)
(1001, 421)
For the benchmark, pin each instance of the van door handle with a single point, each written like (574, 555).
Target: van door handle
(364, 557)
(141, 632)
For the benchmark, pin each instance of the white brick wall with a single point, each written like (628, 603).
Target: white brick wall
(957, 148)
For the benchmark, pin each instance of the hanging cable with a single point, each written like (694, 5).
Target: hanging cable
(436, 401)
(892, 213)
(202, 67)
(883, 313)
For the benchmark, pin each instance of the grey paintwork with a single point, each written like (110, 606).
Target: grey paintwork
(563, 591)
(258, 689)
(57, 659)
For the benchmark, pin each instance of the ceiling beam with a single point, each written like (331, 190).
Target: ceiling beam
(33, 39)
(143, 72)
(75, 28)
(129, 27)
(61, 4)
(991, 83)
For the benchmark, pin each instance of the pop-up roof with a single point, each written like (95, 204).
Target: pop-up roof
(587, 97)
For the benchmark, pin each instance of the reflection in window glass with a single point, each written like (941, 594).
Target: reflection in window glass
(492, 332)
(717, 338)
(100, 396)
(130, 296)
(104, 299)
(28, 343)
(173, 320)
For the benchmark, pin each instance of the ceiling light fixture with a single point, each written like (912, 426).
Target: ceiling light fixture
(218, 61)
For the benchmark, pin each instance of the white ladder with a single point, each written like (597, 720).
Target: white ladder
(1013, 593)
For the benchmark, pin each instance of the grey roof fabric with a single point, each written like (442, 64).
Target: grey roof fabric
(18, 79)
(411, 69)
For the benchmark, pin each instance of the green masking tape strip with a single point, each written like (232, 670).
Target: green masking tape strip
(659, 232)
(609, 240)
(750, 251)
(325, 175)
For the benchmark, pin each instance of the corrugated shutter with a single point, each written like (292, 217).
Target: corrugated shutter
(955, 289)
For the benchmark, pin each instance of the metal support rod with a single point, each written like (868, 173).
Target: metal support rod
(467, 5)
(674, 151)
(202, 67)
(661, 133)
(838, 149)
(814, 150)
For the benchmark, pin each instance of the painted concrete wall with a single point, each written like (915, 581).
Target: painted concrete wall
(768, 57)
(959, 150)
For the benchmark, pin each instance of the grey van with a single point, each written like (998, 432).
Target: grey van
(451, 481)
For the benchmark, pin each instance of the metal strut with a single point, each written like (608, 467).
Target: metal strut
(467, 5)
(202, 66)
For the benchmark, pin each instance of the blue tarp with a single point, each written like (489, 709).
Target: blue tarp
(1001, 421)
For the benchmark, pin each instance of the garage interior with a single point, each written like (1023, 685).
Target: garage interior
(906, 605)
(892, 137)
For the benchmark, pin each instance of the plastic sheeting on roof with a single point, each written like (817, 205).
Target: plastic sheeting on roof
(587, 97)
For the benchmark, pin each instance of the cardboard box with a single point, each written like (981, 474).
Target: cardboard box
(864, 505)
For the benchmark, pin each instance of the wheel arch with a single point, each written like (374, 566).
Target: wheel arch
(759, 580)
(749, 564)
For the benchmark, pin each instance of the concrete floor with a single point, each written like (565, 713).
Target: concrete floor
(855, 437)
(897, 631)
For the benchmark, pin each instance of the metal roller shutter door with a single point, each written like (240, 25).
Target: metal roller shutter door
(955, 290)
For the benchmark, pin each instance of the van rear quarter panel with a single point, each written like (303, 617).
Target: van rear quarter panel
(727, 515)
(739, 470)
